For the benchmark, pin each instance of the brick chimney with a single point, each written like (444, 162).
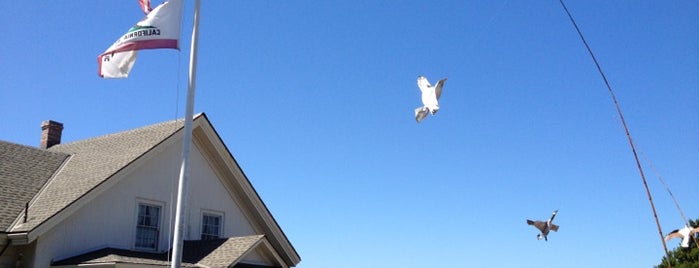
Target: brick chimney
(50, 133)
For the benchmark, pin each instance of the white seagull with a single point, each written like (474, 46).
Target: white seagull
(544, 226)
(430, 95)
(684, 233)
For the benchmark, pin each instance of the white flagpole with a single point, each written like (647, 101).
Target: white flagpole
(186, 143)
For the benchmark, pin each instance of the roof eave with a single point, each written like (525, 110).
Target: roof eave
(291, 257)
(18, 238)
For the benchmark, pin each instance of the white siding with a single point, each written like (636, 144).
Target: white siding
(206, 192)
(110, 219)
(256, 257)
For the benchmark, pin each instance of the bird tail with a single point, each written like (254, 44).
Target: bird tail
(685, 242)
(554, 227)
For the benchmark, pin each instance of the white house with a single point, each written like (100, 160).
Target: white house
(109, 202)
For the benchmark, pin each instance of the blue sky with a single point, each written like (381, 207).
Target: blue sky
(315, 100)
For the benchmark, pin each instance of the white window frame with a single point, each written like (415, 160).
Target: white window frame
(202, 228)
(158, 227)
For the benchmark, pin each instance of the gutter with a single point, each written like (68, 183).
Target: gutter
(18, 238)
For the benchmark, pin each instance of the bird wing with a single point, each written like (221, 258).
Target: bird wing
(553, 215)
(438, 87)
(554, 227)
(674, 234)
(538, 224)
(420, 113)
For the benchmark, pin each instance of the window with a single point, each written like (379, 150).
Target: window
(211, 226)
(148, 226)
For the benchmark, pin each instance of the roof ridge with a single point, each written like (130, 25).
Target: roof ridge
(155, 125)
(123, 132)
(36, 149)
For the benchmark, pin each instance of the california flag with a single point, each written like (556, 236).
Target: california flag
(160, 29)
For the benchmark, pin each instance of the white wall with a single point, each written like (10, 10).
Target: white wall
(206, 192)
(110, 219)
(256, 257)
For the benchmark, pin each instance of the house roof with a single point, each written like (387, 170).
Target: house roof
(199, 253)
(92, 162)
(73, 173)
(23, 171)
(219, 252)
(115, 255)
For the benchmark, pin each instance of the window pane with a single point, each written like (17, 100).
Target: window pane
(147, 229)
(210, 226)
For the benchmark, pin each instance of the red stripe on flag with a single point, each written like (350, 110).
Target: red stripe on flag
(146, 44)
(138, 45)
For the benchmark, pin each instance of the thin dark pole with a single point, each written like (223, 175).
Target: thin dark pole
(628, 135)
(677, 204)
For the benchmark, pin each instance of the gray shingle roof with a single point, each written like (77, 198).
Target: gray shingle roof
(23, 171)
(115, 255)
(219, 252)
(92, 162)
(206, 253)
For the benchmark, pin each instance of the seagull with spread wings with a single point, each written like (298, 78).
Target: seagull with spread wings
(430, 97)
(544, 226)
(684, 233)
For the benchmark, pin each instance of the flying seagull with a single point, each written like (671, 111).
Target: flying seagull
(544, 226)
(430, 95)
(684, 233)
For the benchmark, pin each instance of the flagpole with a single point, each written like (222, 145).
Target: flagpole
(186, 144)
(626, 129)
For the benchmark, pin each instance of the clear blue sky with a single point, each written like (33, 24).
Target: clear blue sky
(315, 100)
